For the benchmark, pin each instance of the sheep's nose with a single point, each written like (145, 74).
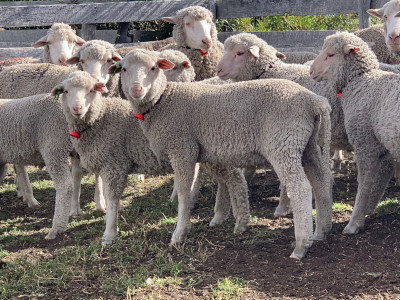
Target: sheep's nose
(394, 35)
(62, 61)
(77, 108)
(206, 42)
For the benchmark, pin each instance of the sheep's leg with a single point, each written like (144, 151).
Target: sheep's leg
(249, 173)
(222, 206)
(101, 203)
(194, 190)
(283, 209)
(320, 177)
(337, 159)
(113, 188)
(300, 194)
(77, 175)
(184, 174)
(25, 186)
(59, 171)
(374, 175)
(3, 171)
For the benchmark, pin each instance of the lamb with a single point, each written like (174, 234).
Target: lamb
(25, 80)
(247, 57)
(370, 102)
(299, 57)
(196, 36)
(186, 122)
(29, 137)
(384, 37)
(183, 70)
(92, 117)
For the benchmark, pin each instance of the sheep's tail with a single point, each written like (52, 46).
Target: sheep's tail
(324, 136)
(3, 171)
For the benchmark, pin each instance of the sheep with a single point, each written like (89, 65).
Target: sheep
(34, 131)
(17, 61)
(124, 151)
(370, 102)
(385, 38)
(299, 57)
(154, 45)
(238, 125)
(59, 44)
(183, 70)
(389, 68)
(247, 57)
(25, 80)
(196, 36)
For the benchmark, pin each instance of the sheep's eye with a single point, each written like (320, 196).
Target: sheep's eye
(175, 68)
(91, 91)
(331, 54)
(239, 53)
(82, 61)
(385, 17)
(153, 68)
(124, 69)
(65, 92)
(109, 60)
(187, 24)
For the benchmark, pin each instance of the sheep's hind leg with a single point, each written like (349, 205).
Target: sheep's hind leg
(283, 209)
(101, 203)
(25, 186)
(374, 175)
(77, 175)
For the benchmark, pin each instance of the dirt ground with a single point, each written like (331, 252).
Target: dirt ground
(364, 266)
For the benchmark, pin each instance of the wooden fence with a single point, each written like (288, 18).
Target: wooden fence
(14, 14)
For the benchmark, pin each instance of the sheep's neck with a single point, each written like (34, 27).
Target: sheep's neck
(140, 115)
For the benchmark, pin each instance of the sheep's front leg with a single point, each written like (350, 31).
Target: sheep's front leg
(25, 186)
(114, 185)
(77, 175)
(184, 174)
(374, 175)
(337, 159)
(194, 190)
(101, 204)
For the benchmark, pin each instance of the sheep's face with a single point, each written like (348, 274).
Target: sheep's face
(233, 60)
(96, 61)
(322, 66)
(390, 14)
(61, 47)
(79, 92)
(140, 74)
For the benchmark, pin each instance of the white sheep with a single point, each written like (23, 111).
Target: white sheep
(126, 149)
(299, 57)
(153, 45)
(183, 70)
(371, 104)
(247, 57)
(195, 35)
(385, 38)
(33, 131)
(240, 124)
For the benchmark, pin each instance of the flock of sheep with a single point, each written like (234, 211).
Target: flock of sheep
(138, 110)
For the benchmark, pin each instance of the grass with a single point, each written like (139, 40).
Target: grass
(229, 288)
(388, 206)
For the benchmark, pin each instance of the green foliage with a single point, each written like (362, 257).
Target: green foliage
(388, 206)
(229, 288)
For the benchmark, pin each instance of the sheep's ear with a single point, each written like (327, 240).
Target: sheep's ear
(350, 49)
(173, 20)
(165, 64)
(116, 56)
(100, 87)
(255, 51)
(376, 12)
(73, 60)
(80, 41)
(280, 55)
(115, 68)
(397, 15)
(40, 43)
(58, 90)
(186, 64)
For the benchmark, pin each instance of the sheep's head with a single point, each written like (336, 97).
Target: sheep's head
(194, 28)
(61, 40)
(183, 71)
(95, 57)
(343, 57)
(245, 57)
(141, 74)
(390, 14)
(78, 93)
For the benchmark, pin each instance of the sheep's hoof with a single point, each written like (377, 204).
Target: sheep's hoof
(101, 209)
(75, 212)
(296, 256)
(218, 219)
(240, 228)
(33, 203)
(107, 241)
(351, 229)
(53, 233)
(179, 235)
(319, 236)
(282, 212)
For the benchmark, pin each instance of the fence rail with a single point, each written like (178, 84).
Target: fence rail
(14, 14)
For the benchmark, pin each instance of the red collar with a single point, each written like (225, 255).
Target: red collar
(340, 94)
(141, 116)
(77, 134)
(201, 52)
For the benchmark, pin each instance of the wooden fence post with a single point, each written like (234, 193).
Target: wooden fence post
(364, 20)
(88, 32)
